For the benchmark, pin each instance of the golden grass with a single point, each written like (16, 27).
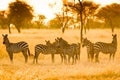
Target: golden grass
(46, 70)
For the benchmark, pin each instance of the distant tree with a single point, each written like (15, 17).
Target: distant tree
(89, 9)
(54, 23)
(40, 22)
(111, 15)
(19, 13)
(3, 19)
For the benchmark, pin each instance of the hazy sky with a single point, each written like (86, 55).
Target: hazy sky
(42, 6)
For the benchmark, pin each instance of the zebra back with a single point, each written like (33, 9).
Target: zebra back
(41, 48)
(14, 47)
(106, 47)
(52, 47)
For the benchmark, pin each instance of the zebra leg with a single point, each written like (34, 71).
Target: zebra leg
(61, 58)
(52, 58)
(28, 51)
(73, 60)
(10, 56)
(65, 59)
(88, 57)
(76, 57)
(69, 59)
(110, 56)
(96, 57)
(36, 57)
(25, 55)
(92, 56)
(113, 56)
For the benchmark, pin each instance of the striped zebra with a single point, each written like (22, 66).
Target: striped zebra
(54, 49)
(16, 48)
(44, 49)
(76, 47)
(107, 48)
(67, 49)
(90, 48)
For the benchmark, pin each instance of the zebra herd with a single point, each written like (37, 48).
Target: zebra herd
(96, 48)
(63, 48)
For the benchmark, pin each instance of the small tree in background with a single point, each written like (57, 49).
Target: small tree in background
(40, 22)
(111, 15)
(19, 13)
(54, 23)
(3, 20)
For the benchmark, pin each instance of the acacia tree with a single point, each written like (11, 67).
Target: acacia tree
(19, 13)
(87, 11)
(40, 22)
(110, 14)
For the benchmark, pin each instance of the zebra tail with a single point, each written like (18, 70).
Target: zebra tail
(28, 51)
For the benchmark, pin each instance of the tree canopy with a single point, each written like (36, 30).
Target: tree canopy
(89, 8)
(111, 15)
(19, 13)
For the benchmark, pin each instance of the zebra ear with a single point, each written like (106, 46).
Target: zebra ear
(6, 35)
(57, 37)
(114, 34)
(45, 40)
(3, 35)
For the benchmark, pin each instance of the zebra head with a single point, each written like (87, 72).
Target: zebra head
(48, 42)
(84, 42)
(114, 35)
(57, 43)
(114, 39)
(62, 42)
(5, 38)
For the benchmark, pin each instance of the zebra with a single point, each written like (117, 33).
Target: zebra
(44, 49)
(90, 48)
(67, 49)
(107, 48)
(77, 50)
(54, 49)
(76, 47)
(16, 48)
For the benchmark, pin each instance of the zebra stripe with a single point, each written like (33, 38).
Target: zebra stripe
(16, 48)
(90, 48)
(76, 47)
(107, 48)
(67, 49)
(54, 49)
(44, 49)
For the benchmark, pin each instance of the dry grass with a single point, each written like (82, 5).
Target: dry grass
(46, 70)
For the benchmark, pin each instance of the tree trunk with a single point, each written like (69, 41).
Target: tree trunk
(18, 28)
(9, 29)
(81, 18)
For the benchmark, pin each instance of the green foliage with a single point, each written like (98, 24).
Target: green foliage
(19, 13)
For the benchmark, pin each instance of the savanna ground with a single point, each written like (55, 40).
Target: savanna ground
(46, 70)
